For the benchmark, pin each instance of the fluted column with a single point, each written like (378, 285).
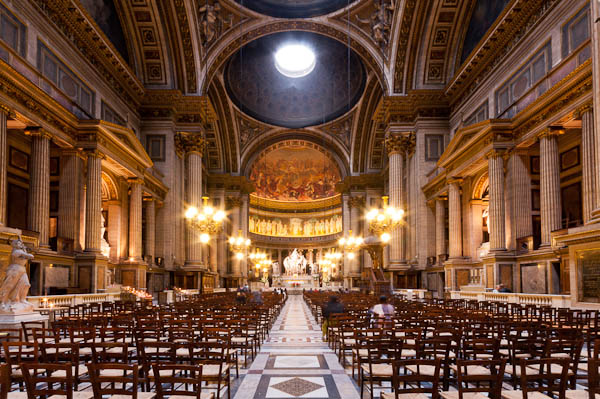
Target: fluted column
(69, 207)
(194, 148)
(588, 156)
(496, 221)
(520, 198)
(595, 11)
(234, 204)
(357, 205)
(3, 163)
(39, 187)
(551, 209)
(135, 221)
(440, 228)
(346, 227)
(150, 230)
(93, 203)
(396, 145)
(454, 219)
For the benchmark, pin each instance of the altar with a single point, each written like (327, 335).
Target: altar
(298, 273)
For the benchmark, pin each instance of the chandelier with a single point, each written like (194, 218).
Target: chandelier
(329, 261)
(350, 244)
(239, 245)
(383, 221)
(207, 221)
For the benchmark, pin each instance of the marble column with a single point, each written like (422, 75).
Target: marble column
(357, 205)
(551, 208)
(588, 156)
(234, 204)
(440, 229)
(135, 221)
(93, 203)
(150, 230)
(519, 201)
(595, 15)
(346, 227)
(454, 219)
(496, 220)
(396, 146)
(193, 253)
(69, 207)
(39, 186)
(3, 162)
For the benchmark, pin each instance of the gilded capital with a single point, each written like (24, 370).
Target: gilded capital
(135, 180)
(551, 131)
(495, 153)
(5, 109)
(233, 202)
(95, 153)
(186, 142)
(356, 202)
(455, 181)
(37, 131)
(588, 107)
(400, 143)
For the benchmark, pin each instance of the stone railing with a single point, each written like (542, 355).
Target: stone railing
(557, 301)
(411, 294)
(72, 300)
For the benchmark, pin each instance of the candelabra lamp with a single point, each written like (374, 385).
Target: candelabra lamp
(350, 244)
(207, 221)
(239, 245)
(383, 221)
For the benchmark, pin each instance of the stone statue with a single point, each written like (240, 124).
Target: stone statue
(14, 288)
(212, 22)
(295, 263)
(105, 247)
(380, 22)
(276, 269)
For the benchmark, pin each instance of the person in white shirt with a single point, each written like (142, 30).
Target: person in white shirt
(382, 312)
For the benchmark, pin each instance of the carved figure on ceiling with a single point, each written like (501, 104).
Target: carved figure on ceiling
(212, 22)
(381, 22)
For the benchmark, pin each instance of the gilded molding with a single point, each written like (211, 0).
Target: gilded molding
(408, 14)
(77, 26)
(188, 48)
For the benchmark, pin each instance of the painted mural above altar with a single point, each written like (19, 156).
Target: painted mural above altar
(295, 170)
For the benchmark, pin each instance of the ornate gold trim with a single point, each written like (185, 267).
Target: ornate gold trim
(303, 205)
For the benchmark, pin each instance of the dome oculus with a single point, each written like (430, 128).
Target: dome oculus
(295, 60)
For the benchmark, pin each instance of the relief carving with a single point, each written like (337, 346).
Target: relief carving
(213, 22)
(381, 22)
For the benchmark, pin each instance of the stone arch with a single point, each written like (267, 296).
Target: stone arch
(110, 190)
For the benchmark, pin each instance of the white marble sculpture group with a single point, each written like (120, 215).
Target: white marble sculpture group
(15, 286)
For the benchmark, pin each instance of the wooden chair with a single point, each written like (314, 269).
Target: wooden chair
(4, 381)
(15, 354)
(541, 375)
(213, 356)
(41, 380)
(64, 353)
(378, 367)
(476, 377)
(172, 378)
(410, 381)
(106, 378)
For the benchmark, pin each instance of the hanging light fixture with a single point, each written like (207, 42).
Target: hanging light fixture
(350, 244)
(239, 245)
(207, 221)
(383, 221)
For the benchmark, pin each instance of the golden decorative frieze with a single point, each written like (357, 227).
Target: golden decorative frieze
(70, 18)
(295, 205)
(188, 48)
(408, 14)
(512, 25)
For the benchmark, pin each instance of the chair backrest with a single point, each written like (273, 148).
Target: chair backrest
(40, 380)
(544, 375)
(19, 352)
(171, 379)
(110, 352)
(480, 376)
(593, 378)
(55, 352)
(28, 325)
(108, 383)
(410, 377)
(4, 380)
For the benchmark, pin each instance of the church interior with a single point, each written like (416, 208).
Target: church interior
(299, 198)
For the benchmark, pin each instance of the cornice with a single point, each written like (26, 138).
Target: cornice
(416, 104)
(231, 183)
(364, 181)
(173, 104)
(516, 21)
(78, 26)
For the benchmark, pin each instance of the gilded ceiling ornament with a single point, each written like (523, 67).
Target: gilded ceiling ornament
(212, 22)
(248, 130)
(381, 22)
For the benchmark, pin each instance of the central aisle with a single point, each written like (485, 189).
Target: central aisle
(294, 362)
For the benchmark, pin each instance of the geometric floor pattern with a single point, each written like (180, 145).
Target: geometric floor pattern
(294, 362)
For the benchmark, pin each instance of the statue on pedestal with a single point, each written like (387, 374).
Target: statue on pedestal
(295, 263)
(14, 288)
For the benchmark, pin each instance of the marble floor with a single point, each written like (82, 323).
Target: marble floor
(294, 362)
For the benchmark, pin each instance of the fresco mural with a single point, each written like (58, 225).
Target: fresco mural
(294, 173)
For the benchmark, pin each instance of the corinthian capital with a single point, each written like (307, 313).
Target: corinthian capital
(186, 142)
(400, 143)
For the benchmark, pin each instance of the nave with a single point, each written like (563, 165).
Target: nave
(295, 361)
